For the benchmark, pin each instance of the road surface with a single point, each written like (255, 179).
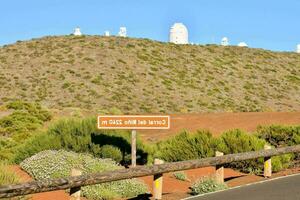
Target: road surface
(286, 188)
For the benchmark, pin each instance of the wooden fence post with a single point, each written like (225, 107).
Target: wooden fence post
(219, 170)
(75, 192)
(157, 182)
(267, 163)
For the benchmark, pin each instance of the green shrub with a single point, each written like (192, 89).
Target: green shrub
(206, 185)
(186, 146)
(35, 144)
(74, 134)
(109, 151)
(56, 164)
(237, 141)
(19, 122)
(24, 121)
(6, 176)
(180, 176)
(279, 136)
(281, 162)
(7, 146)
(83, 136)
(25, 118)
(34, 109)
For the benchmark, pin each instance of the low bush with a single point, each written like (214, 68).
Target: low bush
(6, 176)
(206, 185)
(19, 122)
(279, 136)
(237, 141)
(75, 134)
(25, 121)
(56, 164)
(83, 136)
(186, 146)
(34, 109)
(180, 176)
(109, 151)
(35, 144)
(7, 146)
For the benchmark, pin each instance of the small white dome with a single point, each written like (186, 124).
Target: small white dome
(224, 41)
(242, 44)
(179, 34)
(77, 31)
(298, 48)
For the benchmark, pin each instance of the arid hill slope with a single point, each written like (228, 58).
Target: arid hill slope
(141, 76)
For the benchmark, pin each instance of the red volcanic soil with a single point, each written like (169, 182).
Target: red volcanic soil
(219, 122)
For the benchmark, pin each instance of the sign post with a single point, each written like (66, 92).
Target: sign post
(133, 148)
(133, 122)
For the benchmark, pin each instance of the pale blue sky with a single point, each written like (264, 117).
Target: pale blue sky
(269, 24)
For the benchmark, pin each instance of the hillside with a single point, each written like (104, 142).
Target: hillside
(141, 76)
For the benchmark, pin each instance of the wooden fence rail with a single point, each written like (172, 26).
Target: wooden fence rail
(140, 171)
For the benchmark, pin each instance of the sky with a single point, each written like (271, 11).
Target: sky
(268, 24)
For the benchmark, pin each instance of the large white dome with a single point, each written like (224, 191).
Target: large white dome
(298, 48)
(179, 34)
(77, 31)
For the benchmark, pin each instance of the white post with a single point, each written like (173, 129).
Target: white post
(75, 192)
(267, 163)
(157, 182)
(219, 169)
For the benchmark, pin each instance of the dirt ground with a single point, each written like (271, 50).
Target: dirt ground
(219, 122)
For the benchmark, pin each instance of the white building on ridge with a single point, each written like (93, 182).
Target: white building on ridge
(106, 33)
(298, 48)
(179, 34)
(242, 44)
(123, 32)
(224, 41)
(77, 31)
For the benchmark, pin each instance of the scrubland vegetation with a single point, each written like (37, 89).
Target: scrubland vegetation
(76, 142)
(144, 76)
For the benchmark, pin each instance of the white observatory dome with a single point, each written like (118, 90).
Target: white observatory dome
(179, 34)
(242, 44)
(123, 32)
(106, 33)
(77, 31)
(224, 41)
(298, 48)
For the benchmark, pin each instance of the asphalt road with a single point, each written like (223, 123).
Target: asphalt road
(286, 188)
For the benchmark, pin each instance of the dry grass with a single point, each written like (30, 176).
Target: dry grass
(141, 76)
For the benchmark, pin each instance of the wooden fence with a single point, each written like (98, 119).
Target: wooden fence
(139, 171)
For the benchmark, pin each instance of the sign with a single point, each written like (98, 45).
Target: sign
(133, 122)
